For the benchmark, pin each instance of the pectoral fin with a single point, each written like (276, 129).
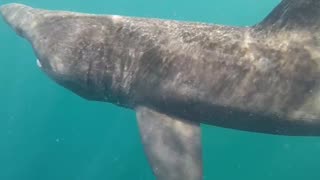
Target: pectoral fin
(173, 146)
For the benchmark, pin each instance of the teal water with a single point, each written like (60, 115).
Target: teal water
(48, 133)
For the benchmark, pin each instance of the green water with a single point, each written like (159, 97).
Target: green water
(48, 133)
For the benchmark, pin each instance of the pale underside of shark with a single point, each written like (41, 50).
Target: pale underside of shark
(176, 75)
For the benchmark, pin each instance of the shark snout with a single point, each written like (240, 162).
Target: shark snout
(20, 17)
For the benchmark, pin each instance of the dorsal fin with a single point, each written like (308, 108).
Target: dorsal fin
(293, 14)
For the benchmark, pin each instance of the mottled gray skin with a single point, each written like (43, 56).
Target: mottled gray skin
(263, 78)
(176, 75)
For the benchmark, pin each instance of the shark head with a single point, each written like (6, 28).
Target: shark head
(65, 48)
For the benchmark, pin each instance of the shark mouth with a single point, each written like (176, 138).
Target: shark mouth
(39, 63)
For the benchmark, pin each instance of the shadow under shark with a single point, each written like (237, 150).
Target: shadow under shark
(176, 75)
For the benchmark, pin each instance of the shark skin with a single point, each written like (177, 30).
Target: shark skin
(177, 75)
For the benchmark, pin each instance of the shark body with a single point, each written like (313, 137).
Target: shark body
(176, 75)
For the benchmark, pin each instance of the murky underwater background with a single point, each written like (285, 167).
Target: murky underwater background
(48, 133)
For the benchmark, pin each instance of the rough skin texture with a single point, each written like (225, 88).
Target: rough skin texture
(263, 78)
(177, 75)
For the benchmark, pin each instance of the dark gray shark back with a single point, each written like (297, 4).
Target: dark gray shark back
(195, 71)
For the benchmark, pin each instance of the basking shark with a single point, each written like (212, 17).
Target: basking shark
(176, 75)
